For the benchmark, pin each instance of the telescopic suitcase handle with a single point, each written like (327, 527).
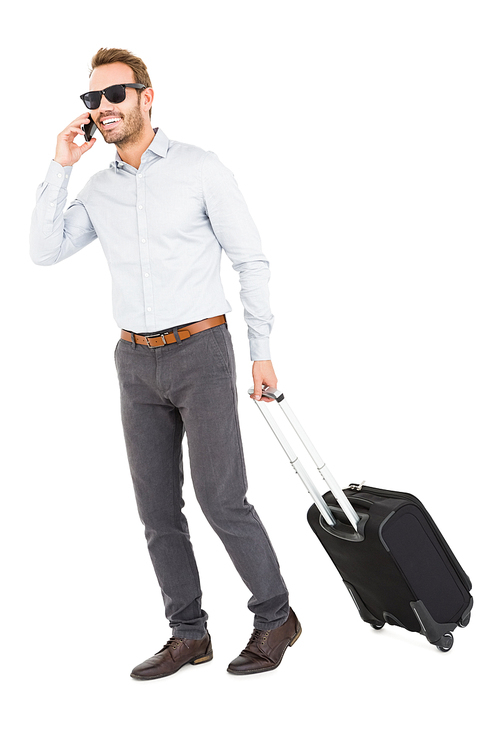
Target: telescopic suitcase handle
(325, 472)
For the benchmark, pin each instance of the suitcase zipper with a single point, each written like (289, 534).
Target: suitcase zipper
(357, 487)
(383, 493)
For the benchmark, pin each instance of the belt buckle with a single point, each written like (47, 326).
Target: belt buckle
(151, 337)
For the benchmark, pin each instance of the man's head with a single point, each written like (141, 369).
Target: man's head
(121, 123)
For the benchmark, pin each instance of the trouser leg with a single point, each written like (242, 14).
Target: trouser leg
(206, 398)
(153, 432)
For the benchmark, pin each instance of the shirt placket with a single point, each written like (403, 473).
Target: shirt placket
(144, 253)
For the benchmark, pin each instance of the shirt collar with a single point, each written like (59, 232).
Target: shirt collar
(159, 146)
(160, 143)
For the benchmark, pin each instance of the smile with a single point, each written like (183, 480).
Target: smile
(109, 121)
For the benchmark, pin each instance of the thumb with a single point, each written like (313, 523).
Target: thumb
(87, 145)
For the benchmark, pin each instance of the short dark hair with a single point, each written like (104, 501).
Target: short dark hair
(106, 56)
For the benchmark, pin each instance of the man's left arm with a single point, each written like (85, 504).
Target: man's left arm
(237, 234)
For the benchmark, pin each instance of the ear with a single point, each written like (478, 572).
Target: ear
(147, 99)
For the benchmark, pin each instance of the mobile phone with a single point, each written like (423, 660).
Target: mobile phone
(89, 129)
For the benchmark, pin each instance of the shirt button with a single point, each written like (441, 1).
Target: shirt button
(59, 174)
(52, 204)
(139, 175)
(139, 207)
(143, 241)
(149, 309)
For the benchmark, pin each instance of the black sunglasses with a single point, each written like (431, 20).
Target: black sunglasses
(114, 94)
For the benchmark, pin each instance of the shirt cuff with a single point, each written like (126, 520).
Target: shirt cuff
(57, 175)
(260, 349)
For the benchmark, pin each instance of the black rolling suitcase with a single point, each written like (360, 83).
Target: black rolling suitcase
(393, 559)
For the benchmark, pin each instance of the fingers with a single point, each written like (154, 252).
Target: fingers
(78, 121)
(263, 374)
(75, 127)
(257, 388)
(81, 119)
(67, 151)
(71, 133)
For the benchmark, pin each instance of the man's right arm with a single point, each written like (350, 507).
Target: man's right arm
(56, 235)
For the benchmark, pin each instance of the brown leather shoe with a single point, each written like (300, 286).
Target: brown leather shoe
(175, 654)
(266, 648)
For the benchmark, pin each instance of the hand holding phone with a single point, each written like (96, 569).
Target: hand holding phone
(67, 151)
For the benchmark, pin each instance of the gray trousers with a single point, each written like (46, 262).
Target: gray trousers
(189, 387)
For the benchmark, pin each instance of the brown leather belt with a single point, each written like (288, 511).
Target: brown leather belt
(169, 338)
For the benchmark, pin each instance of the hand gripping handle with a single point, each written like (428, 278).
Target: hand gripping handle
(337, 492)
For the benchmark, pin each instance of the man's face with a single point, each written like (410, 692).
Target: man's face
(128, 118)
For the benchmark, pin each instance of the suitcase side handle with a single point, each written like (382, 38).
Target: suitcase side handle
(325, 472)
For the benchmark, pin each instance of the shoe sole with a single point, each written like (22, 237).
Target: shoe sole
(270, 669)
(198, 660)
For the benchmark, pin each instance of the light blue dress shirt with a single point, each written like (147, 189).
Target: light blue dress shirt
(162, 228)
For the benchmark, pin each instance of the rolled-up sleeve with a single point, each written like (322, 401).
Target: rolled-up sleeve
(57, 234)
(238, 236)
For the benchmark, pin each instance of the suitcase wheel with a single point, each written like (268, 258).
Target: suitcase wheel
(445, 642)
(377, 625)
(464, 621)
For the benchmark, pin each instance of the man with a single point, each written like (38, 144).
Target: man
(162, 212)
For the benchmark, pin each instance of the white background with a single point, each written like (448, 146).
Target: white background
(364, 136)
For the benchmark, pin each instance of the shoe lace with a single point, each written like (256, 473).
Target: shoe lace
(174, 642)
(258, 635)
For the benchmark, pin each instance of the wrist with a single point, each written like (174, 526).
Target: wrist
(62, 162)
